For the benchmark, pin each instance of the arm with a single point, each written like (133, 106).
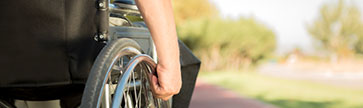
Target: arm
(158, 15)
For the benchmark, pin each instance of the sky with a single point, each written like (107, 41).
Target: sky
(287, 18)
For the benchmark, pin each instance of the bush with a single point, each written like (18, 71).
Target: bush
(228, 43)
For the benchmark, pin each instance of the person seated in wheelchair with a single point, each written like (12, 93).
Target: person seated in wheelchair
(48, 49)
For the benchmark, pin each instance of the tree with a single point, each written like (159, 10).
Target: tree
(221, 43)
(228, 43)
(193, 9)
(338, 29)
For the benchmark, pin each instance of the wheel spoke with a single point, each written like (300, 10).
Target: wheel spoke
(128, 95)
(133, 79)
(122, 63)
(138, 98)
(125, 94)
(125, 100)
(136, 91)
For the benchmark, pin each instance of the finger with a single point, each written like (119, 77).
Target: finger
(154, 83)
(167, 98)
(156, 88)
(163, 94)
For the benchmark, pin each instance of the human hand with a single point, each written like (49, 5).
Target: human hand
(168, 81)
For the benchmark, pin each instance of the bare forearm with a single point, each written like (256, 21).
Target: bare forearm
(158, 15)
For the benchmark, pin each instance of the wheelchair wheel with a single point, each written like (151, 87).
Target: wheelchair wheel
(113, 83)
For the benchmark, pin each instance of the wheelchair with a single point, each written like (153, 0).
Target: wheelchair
(120, 74)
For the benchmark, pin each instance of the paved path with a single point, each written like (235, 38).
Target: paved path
(210, 96)
(344, 77)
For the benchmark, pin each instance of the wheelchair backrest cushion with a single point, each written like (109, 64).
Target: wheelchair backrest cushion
(47, 42)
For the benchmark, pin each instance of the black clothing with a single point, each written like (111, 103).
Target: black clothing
(189, 68)
(47, 42)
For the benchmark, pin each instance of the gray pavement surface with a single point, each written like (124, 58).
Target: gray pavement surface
(351, 78)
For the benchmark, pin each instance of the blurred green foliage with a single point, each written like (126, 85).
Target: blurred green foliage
(235, 40)
(222, 43)
(358, 47)
(193, 9)
(339, 29)
(286, 93)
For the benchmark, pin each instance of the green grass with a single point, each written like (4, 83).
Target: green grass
(285, 93)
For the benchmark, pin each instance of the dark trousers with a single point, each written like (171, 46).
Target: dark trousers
(70, 95)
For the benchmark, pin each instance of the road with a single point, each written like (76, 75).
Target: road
(351, 77)
(211, 96)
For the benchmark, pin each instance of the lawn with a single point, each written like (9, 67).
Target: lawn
(286, 93)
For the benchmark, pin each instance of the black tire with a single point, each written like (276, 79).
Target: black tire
(96, 80)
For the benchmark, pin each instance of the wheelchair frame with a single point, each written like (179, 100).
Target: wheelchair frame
(112, 83)
(100, 89)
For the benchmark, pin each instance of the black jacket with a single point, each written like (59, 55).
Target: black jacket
(47, 42)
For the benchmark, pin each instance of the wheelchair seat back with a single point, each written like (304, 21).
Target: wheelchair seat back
(48, 42)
